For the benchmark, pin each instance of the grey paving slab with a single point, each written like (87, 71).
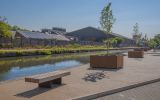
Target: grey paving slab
(147, 92)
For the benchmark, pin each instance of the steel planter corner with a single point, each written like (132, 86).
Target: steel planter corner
(108, 62)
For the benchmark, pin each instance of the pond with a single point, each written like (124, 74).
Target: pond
(11, 68)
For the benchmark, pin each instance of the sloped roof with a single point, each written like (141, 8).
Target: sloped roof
(39, 35)
(91, 31)
(58, 32)
(88, 31)
(51, 31)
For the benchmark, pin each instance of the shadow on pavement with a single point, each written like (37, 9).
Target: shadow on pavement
(36, 91)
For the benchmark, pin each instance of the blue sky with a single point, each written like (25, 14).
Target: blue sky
(75, 14)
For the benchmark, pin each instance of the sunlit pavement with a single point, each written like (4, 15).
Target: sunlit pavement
(147, 92)
(135, 71)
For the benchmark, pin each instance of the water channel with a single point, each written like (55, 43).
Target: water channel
(15, 67)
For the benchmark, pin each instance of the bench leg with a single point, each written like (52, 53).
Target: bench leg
(45, 84)
(57, 81)
(50, 83)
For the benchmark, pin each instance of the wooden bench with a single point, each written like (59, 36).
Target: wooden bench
(48, 79)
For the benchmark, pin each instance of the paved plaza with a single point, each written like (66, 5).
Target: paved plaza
(135, 71)
(146, 92)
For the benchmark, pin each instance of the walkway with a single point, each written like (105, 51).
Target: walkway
(135, 71)
(147, 92)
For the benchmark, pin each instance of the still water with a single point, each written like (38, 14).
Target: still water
(11, 68)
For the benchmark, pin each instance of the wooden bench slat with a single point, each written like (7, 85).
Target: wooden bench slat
(46, 77)
(39, 76)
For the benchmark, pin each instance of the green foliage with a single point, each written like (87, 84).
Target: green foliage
(109, 43)
(54, 50)
(144, 41)
(141, 40)
(152, 43)
(136, 29)
(44, 52)
(136, 35)
(118, 40)
(157, 39)
(74, 45)
(15, 28)
(19, 53)
(2, 53)
(4, 30)
(107, 19)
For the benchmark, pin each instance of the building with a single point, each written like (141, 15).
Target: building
(54, 30)
(59, 36)
(97, 35)
(27, 38)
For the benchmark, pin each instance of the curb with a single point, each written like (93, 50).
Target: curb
(104, 93)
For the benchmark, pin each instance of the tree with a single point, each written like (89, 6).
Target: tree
(107, 19)
(119, 40)
(4, 30)
(15, 28)
(136, 35)
(109, 43)
(157, 39)
(136, 29)
(145, 40)
(152, 43)
(3, 19)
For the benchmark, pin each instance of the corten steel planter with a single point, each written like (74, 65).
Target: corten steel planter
(136, 54)
(138, 49)
(142, 49)
(108, 62)
(146, 49)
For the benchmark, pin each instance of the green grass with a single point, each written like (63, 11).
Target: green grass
(74, 48)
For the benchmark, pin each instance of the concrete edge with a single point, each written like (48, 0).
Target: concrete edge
(104, 93)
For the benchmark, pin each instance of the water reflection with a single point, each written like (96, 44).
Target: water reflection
(11, 68)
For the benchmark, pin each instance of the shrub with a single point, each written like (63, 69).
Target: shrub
(2, 53)
(44, 52)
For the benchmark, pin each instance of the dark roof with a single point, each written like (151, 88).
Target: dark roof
(58, 32)
(51, 31)
(88, 31)
(39, 35)
(94, 32)
(59, 29)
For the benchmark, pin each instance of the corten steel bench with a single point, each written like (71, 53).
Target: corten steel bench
(48, 79)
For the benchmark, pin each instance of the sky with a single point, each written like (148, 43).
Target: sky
(76, 14)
